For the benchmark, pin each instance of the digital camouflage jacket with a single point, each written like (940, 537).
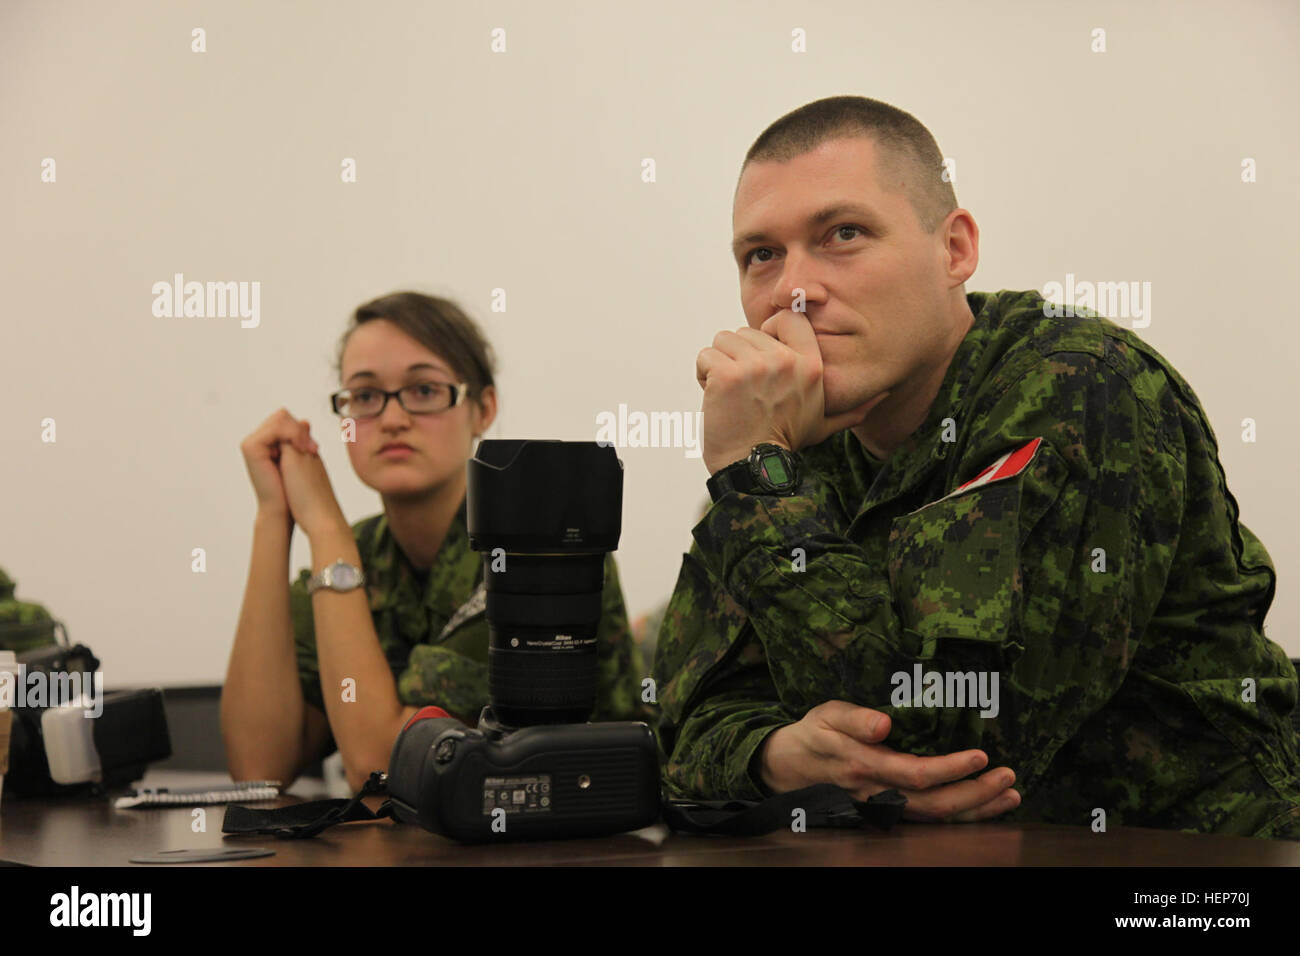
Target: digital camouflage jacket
(450, 669)
(1100, 572)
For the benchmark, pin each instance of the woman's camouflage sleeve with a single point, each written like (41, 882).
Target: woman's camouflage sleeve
(304, 646)
(304, 640)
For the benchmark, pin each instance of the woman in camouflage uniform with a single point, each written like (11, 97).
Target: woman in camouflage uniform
(342, 664)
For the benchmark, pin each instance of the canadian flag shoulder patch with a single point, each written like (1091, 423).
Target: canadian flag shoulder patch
(1008, 466)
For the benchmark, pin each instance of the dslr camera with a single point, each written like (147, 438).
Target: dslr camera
(544, 514)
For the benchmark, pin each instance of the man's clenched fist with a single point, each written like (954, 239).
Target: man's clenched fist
(765, 385)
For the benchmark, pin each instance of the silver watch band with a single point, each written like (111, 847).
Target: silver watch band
(339, 576)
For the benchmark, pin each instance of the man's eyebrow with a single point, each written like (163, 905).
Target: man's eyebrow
(816, 219)
(417, 366)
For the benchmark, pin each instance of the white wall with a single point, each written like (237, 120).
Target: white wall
(522, 171)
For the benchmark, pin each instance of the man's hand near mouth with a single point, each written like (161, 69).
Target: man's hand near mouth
(765, 385)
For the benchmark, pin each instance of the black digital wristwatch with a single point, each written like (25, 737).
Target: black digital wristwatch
(769, 470)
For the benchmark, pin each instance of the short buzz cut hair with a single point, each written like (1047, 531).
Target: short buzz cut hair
(909, 156)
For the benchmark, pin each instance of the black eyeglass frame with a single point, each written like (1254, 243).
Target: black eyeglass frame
(457, 392)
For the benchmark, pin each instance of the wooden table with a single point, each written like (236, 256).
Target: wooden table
(88, 832)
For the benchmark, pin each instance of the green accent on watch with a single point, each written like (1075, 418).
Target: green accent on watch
(769, 470)
(774, 470)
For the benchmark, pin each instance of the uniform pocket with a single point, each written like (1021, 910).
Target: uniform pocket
(954, 567)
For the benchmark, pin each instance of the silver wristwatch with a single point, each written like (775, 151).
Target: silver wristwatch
(339, 576)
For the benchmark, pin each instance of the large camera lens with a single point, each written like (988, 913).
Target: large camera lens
(545, 514)
(543, 612)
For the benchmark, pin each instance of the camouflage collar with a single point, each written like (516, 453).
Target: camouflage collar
(393, 581)
(845, 462)
(926, 446)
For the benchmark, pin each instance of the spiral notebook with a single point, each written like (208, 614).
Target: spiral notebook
(192, 797)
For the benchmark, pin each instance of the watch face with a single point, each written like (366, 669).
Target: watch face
(774, 470)
(343, 576)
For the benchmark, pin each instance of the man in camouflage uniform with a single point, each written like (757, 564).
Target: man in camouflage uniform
(433, 631)
(1058, 518)
(24, 625)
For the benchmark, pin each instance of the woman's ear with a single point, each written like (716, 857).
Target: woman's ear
(485, 410)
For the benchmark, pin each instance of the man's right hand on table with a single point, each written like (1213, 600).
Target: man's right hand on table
(839, 743)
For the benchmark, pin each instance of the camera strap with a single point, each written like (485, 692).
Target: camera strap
(308, 819)
(822, 805)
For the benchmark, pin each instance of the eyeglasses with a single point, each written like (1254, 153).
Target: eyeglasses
(423, 398)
